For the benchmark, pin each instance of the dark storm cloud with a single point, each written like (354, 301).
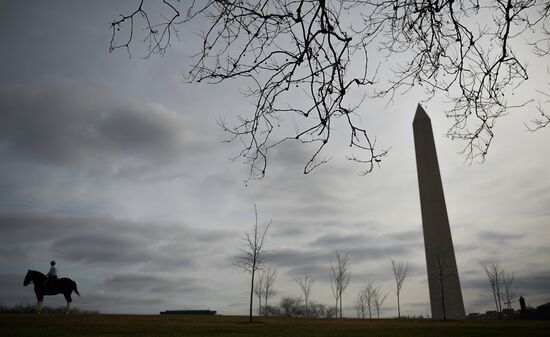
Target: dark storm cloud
(153, 283)
(13, 290)
(535, 283)
(70, 123)
(307, 223)
(150, 130)
(376, 252)
(405, 236)
(108, 241)
(132, 281)
(44, 124)
(466, 247)
(474, 282)
(103, 248)
(341, 240)
(368, 246)
(29, 227)
(318, 272)
(316, 256)
(334, 240)
(287, 258)
(499, 237)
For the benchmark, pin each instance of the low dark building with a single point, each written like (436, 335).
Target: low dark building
(541, 312)
(188, 312)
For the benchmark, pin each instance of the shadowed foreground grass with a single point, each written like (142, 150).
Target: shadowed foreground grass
(58, 325)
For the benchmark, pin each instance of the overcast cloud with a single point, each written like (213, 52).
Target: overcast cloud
(117, 169)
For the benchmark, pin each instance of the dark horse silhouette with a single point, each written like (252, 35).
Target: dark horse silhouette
(63, 286)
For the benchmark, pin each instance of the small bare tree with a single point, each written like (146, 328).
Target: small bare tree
(509, 291)
(378, 299)
(340, 278)
(269, 280)
(364, 302)
(360, 304)
(441, 271)
(335, 293)
(305, 283)
(259, 291)
(251, 257)
(495, 276)
(368, 290)
(400, 271)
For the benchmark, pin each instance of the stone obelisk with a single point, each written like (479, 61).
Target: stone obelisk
(445, 293)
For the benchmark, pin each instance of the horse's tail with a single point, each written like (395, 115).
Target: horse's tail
(75, 288)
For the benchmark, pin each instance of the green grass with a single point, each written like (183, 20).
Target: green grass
(58, 325)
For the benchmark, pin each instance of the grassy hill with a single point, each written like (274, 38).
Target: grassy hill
(59, 325)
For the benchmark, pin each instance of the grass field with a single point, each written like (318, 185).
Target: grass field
(58, 325)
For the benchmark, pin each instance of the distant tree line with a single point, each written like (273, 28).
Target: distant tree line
(368, 304)
(295, 307)
(262, 280)
(370, 298)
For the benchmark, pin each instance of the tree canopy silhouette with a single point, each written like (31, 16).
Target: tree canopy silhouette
(307, 61)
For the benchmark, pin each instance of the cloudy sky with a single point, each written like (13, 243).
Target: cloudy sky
(116, 168)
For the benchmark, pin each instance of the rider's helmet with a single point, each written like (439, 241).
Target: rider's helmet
(52, 263)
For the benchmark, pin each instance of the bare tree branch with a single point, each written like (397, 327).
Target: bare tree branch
(307, 64)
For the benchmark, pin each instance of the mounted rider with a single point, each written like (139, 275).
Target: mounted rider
(52, 274)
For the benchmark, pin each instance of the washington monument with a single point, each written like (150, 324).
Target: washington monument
(445, 294)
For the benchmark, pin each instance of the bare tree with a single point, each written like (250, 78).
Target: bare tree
(495, 276)
(305, 283)
(335, 292)
(259, 291)
(441, 271)
(340, 277)
(364, 302)
(378, 299)
(361, 304)
(269, 280)
(369, 292)
(509, 291)
(251, 257)
(307, 63)
(400, 271)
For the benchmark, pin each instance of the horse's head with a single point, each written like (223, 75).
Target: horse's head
(34, 277)
(28, 278)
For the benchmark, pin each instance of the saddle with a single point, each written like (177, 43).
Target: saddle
(50, 284)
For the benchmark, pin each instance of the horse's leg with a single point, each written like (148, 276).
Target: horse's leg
(39, 299)
(69, 300)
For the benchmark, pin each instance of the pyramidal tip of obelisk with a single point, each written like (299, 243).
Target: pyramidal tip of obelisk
(420, 114)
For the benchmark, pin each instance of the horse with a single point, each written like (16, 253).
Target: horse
(63, 286)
